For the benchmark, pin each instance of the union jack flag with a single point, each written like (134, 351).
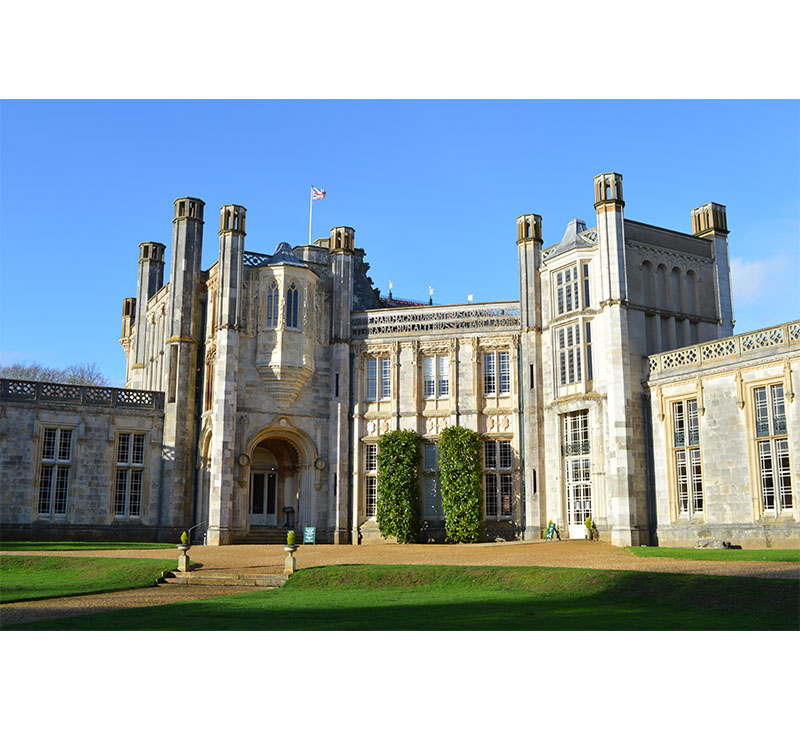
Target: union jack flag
(317, 194)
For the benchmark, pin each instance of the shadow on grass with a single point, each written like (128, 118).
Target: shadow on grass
(443, 599)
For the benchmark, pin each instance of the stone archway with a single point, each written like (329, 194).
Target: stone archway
(273, 484)
(292, 454)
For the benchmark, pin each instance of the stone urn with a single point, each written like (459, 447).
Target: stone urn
(291, 564)
(183, 558)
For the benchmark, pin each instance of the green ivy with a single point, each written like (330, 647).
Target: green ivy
(461, 472)
(398, 485)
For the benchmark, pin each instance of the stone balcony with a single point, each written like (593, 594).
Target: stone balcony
(35, 392)
(725, 351)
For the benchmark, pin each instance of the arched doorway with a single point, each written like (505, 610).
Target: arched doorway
(274, 484)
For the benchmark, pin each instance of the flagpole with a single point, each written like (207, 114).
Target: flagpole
(310, 211)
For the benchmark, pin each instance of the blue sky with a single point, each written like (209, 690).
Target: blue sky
(432, 188)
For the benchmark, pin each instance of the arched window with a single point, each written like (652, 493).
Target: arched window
(272, 305)
(648, 285)
(292, 298)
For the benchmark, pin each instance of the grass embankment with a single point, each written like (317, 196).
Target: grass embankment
(440, 598)
(770, 555)
(27, 577)
(33, 545)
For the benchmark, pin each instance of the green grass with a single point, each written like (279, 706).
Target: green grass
(441, 598)
(770, 555)
(27, 577)
(33, 545)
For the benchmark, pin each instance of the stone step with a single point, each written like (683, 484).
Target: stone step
(223, 579)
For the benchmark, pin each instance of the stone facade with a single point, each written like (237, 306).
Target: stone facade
(278, 373)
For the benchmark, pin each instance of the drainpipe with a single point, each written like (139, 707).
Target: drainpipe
(520, 389)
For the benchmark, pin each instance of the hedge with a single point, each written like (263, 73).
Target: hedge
(398, 485)
(461, 472)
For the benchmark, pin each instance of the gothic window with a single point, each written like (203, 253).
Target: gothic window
(431, 486)
(496, 373)
(568, 348)
(436, 376)
(379, 385)
(772, 449)
(498, 461)
(292, 300)
(272, 305)
(129, 476)
(686, 456)
(586, 297)
(371, 480)
(54, 471)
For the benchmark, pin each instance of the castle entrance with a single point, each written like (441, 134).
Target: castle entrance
(273, 482)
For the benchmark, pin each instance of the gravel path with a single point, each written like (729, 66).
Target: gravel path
(267, 559)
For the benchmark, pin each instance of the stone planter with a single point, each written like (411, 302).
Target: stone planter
(183, 558)
(291, 564)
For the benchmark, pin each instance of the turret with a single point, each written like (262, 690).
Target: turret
(231, 251)
(710, 222)
(151, 279)
(609, 205)
(343, 238)
(529, 249)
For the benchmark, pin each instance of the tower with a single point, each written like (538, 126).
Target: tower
(150, 280)
(529, 249)
(619, 370)
(342, 262)
(710, 222)
(183, 336)
(228, 320)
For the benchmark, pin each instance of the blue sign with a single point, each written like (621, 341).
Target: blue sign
(310, 536)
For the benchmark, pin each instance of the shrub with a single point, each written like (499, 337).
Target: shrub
(290, 537)
(185, 538)
(591, 530)
(398, 485)
(461, 467)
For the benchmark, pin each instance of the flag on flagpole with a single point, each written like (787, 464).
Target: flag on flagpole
(316, 194)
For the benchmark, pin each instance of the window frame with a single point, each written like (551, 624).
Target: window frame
(771, 447)
(370, 480)
(498, 480)
(435, 384)
(380, 380)
(131, 472)
(59, 470)
(496, 369)
(431, 477)
(686, 458)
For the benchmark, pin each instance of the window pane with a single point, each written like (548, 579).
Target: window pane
(372, 379)
(489, 455)
(505, 372)
(762, 413)
(778, 410)
(767, 477)
(505, 454)
(429, 457)
(45, 489)
(694, 425)
(371, 460)
(429, 379)
(60, 494)
(489, 385)
(431, 498)
(64, 444)
(697, 480)
(491, 495)
(135, 504)
(683, 482)
(123, 446)
(120, 489)
(385, 381)
(137, 456)
(371, 496)
(444, 375)
(505, 496)
(784, 476)
(49, 444)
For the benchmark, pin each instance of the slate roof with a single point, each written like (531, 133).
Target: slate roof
(576, 236)
(284, 255)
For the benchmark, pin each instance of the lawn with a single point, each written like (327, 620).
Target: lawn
(26, 577)
(32, 545)
(441, 598)
(770, 555)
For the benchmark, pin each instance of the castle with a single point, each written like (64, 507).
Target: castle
(256, 392)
